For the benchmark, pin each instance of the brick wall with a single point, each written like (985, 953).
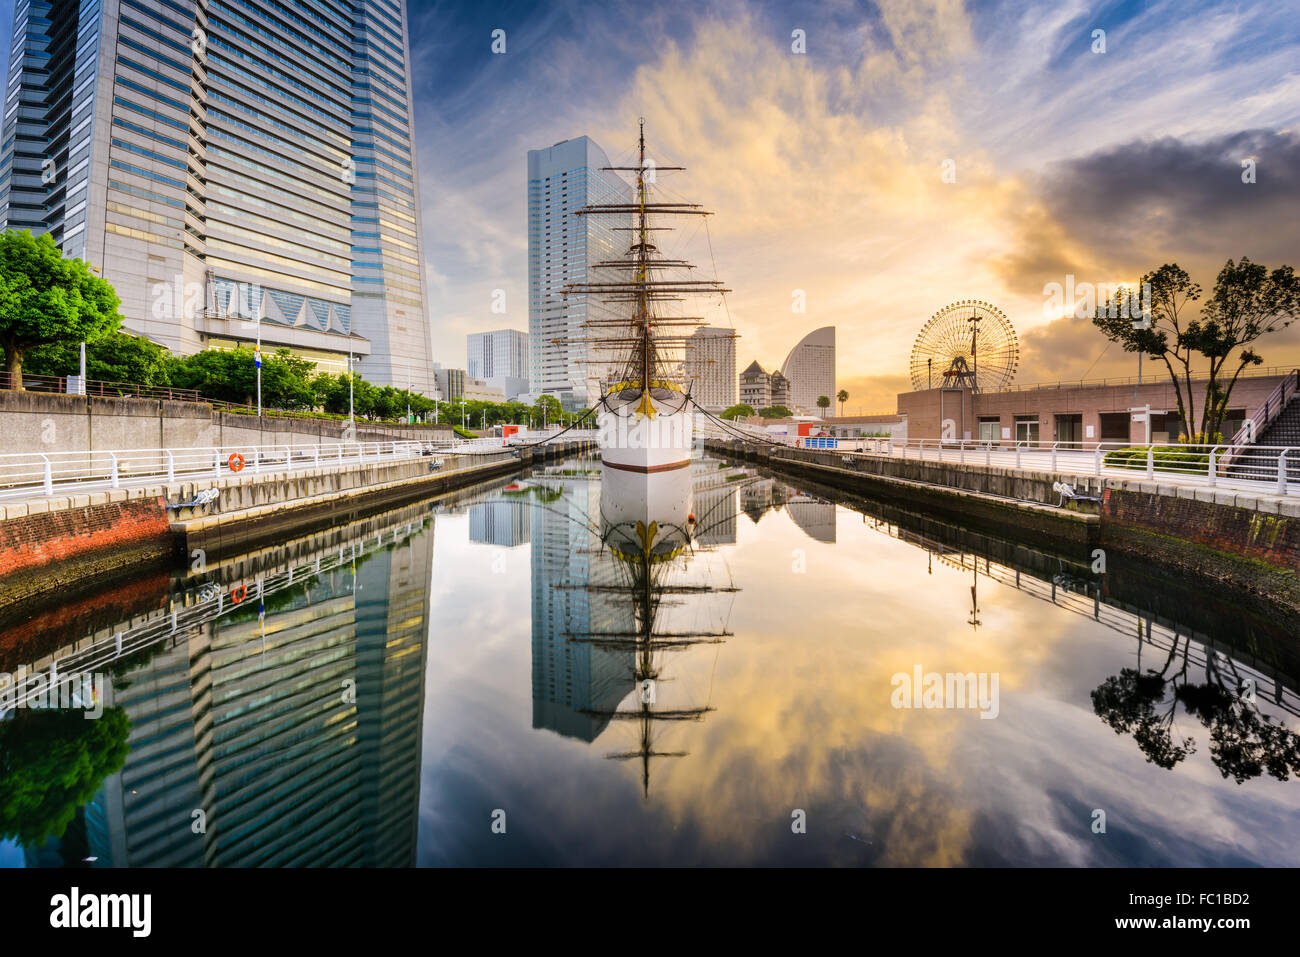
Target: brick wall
(1270, 538)
(31, 632)
(44, 552)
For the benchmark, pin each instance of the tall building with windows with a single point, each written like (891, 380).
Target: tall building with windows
(500, 358)
(710, 367)
(236, 168)
(810, 367)
(562, 247)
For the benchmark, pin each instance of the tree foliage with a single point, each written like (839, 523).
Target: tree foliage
(115, 357)
(775, 412)
(737, 411)
(1248, 302)
(45, 299)
(52, 762)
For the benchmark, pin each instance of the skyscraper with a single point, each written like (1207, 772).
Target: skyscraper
(710, 366)
(810, 367)
(562, 247)
(500, 358)
(233, 169)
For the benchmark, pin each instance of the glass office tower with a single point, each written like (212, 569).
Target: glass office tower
(235, 168)
(561, 248)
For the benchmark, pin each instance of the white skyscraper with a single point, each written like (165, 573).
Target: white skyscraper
(710, 366)
(810, 367)
(500, 358)
(562, 247)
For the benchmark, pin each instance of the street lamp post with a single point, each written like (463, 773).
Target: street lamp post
(257, 359)
(351, 419)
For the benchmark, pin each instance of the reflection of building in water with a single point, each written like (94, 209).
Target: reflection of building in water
(572, 677)
(757, 498)
(502, 522)
(297, 737)
(815, 516)
(716, 501)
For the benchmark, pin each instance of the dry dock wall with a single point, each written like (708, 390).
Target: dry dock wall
(49, 545)
(46, 422)
(1248, 541)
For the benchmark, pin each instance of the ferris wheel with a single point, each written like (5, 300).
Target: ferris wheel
(968, 343)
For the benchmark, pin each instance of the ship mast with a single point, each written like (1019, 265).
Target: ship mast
(646, 553)
(636, 344)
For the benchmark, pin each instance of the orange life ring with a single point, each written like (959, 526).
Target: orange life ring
(238, 593)
(236, 461)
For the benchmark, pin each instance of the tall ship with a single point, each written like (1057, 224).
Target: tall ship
(646, 414)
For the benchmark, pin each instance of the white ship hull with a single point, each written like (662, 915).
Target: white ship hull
(634, 442)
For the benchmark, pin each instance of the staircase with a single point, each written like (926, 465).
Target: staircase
(1276, 426)
(1285, 429)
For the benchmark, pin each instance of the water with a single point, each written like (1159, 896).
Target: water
(470, 682)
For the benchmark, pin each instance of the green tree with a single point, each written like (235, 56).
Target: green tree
(228, 375)
(775, 412)
(550, 406)
(842, 396)
(1248, 302)
(1160, 321)
(737, 411)
(823, 403)
(52, 762)
(286, 381)
(45, 298)
(116, 357)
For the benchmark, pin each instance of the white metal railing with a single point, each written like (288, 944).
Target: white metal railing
(1270, 468)
(199, 605)
(1269, 410)
(49, 473)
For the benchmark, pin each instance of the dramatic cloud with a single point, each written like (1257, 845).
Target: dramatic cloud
(825, 169)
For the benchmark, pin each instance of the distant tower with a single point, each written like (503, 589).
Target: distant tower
(710, 367)
(561, 248)
(810, 367)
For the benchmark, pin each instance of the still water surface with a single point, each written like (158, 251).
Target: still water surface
(519, 675)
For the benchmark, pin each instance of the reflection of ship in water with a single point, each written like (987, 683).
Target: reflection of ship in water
(605, 611)
(275, 712)
(650, 528)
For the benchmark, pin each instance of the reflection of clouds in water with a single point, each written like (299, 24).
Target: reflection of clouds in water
(803, 720)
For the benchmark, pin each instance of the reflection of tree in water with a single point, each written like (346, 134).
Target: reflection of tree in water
(52, 762)
(1244, 742)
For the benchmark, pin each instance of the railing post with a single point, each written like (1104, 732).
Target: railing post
(315, 456)
(49, 475)
(1281, 473)
(216, 463)
(340, 453)
(257, 459)
(171, 466)
(1054, 445)
(1151, 461)
(113, 478)
(1212, 468)
(1097, 455)
(961, 453)
(1017, 455)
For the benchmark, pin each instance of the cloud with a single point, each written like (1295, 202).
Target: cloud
(1121, 212)
(824, 169)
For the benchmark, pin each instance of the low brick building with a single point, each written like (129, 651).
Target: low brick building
(1074, 412)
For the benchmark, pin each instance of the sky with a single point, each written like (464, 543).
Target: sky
(826, 169)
